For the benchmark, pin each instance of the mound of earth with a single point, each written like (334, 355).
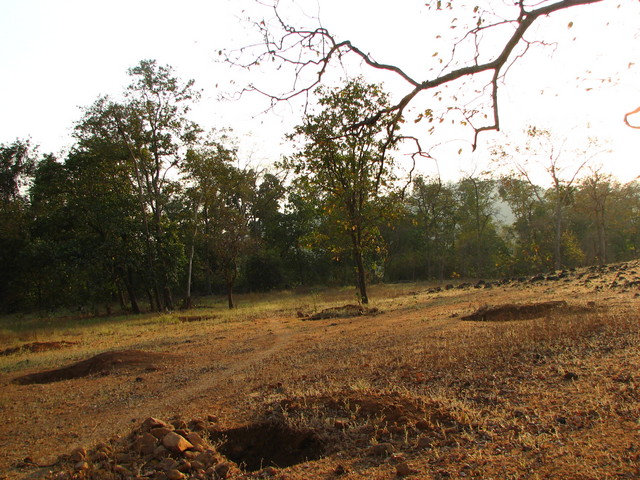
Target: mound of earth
(390, 419)
(103, 363)
(287, 433)
(511, 311)
(37, 347)
(155, 449)
(345, 311)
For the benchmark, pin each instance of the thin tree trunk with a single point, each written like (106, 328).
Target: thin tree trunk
(361, 282)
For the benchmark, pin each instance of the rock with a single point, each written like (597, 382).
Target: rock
(145, 444)
(380, 449)
(151, 423)
(340, 470)
(570, 376)
(424, 442)
(175, 475)
(176, 443)
(160, 452)
(269, 472)
(81, 467)
(222, 470)
(179, 424)
(423, 425)
(185, 466)
(160, 432)
(403, 469)
(120, 470)
(195, 439)
(207, 458)
(78, 455)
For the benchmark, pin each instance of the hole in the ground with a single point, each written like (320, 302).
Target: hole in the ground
(267, 444)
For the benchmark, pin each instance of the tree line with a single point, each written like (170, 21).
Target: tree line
(147, 210)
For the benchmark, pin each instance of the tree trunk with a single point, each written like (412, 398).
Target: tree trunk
(128, 283)
(230, 294)
(361, 281)
(558, 242)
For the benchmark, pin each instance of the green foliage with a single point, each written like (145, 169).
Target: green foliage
(343, 163)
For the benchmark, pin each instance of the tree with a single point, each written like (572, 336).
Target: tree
(435, 204)
(546, 151)
(479, 247)
(492, 38)
(151, 132)
(594, 194)
(222, 195)
(346, 167)
(532, 227)
(17, 166)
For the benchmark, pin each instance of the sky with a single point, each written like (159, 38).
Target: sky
(57, 57)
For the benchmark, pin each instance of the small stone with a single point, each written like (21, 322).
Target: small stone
(160, 452)
(179, 424)
(120, 470)
(176, 443)
(81, 467)
(380, 449)
(151, 422)
(403, 469)
(195, 439)
(78, 455)
(422, 425)
(424, 442)
(222, 470)
(570, 376)
(175, 475)
(160, 432)
(269, 472)
(340, 470)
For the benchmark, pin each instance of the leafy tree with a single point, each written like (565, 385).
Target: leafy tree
(594, 195)
(17, 165)
(437, 218)
(223, 196)
(151, 127)
(479, 248)
(347, 167)
(532, 227)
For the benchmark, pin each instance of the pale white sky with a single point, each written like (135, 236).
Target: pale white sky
(57, 56)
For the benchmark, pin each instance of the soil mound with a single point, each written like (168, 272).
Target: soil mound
(351, 420)
(511, 311)
(37, 347)
(103, 363)
(345, 311)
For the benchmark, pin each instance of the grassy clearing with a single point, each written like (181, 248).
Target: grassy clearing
(556, 396)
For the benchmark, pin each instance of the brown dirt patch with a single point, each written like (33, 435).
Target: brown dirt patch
(103, 364)
(37, 347)
(344, 311)
(510, 311)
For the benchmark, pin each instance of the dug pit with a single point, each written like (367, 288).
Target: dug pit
(269, 444)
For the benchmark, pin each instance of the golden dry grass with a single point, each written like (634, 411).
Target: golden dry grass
(551, 397)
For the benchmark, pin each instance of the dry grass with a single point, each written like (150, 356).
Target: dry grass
(413, 389)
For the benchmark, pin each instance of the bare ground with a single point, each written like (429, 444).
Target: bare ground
(414, 390)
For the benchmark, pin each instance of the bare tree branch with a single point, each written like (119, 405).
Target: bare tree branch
(306, 49)
(626, 118)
